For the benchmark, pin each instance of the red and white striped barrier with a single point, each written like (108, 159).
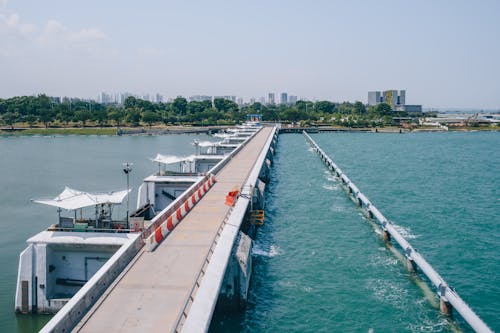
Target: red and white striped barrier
(170, 221)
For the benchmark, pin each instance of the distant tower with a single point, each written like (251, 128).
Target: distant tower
(270, 99)
(373, 97)
(284, 98)
(402, 97)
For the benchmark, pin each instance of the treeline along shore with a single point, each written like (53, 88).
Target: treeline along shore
(35, 114)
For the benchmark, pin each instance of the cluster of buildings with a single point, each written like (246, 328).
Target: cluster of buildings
(119, 98)
(395, 98)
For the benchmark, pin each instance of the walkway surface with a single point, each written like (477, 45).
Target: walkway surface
(152, 293)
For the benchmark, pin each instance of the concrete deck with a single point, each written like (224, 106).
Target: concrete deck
(152, 293)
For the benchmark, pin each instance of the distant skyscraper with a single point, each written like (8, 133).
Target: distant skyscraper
(402, 97)
(270, 98)
(284, 98)
(105, 98)
(252, 100)
(262, 100)
(239, 101)
(292, 100)
(373, 97)
(123, 97)
(200, 98)
(158, 98)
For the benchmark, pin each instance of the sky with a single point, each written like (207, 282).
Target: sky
(445, 53)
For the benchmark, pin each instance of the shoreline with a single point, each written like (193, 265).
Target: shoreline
(162, 130)
(114, 131)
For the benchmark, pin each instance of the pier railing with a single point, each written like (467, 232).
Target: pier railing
(224, 237)
(447, 295)
(171, 209)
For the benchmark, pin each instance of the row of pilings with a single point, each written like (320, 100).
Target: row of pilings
(415, 262)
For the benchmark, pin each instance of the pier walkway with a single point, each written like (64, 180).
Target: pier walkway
(151, 294)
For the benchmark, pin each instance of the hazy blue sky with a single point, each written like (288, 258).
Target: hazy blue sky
(444, 53)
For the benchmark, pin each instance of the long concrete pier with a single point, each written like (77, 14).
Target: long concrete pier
(159, 289)
(449, 298)
(152, 294)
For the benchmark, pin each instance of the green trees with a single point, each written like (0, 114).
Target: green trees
(324, 107)
(359, 107)
(41, 109)
(195, 107)
(150, 117)
(225, 105)
(116, 115)
(10, 118)
(81, 116)
(383, 108)
(179, 106)
(133, 116)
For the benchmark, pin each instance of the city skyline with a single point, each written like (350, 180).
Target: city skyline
(444, 53)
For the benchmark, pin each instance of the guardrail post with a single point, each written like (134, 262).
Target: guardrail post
(445, 306)
(386, 236)
(410, 264)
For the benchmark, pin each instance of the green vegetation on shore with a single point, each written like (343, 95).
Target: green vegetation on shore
(44, 111)
(47, 115)
(61, 131)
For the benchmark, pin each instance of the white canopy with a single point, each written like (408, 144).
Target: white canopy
(222, 135)
(170, 159)
(208, 143)
(73, 199)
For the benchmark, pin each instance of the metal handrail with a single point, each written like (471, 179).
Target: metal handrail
(116, 231)
(182, 315)
(443, 289)
(201, 272)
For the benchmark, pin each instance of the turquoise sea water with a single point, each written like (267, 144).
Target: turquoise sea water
(319, 266)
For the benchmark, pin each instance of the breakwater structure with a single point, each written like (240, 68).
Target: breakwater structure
(449, 299)
(193, 255)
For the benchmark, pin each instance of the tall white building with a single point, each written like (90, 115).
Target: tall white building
(270, 98)
(374, 97)
(284, 98)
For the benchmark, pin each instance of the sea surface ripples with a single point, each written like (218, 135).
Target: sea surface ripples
(320, 267)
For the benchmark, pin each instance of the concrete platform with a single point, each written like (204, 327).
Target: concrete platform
(152, 293)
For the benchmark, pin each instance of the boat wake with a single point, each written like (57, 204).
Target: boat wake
(389, 293)
(330, 187)
(405, 232)
(273, 251)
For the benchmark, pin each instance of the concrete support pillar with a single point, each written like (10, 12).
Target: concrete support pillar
(386, 236)
(445, 306)
(410, 265)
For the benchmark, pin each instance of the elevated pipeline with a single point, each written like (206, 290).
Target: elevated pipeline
(449, 298)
